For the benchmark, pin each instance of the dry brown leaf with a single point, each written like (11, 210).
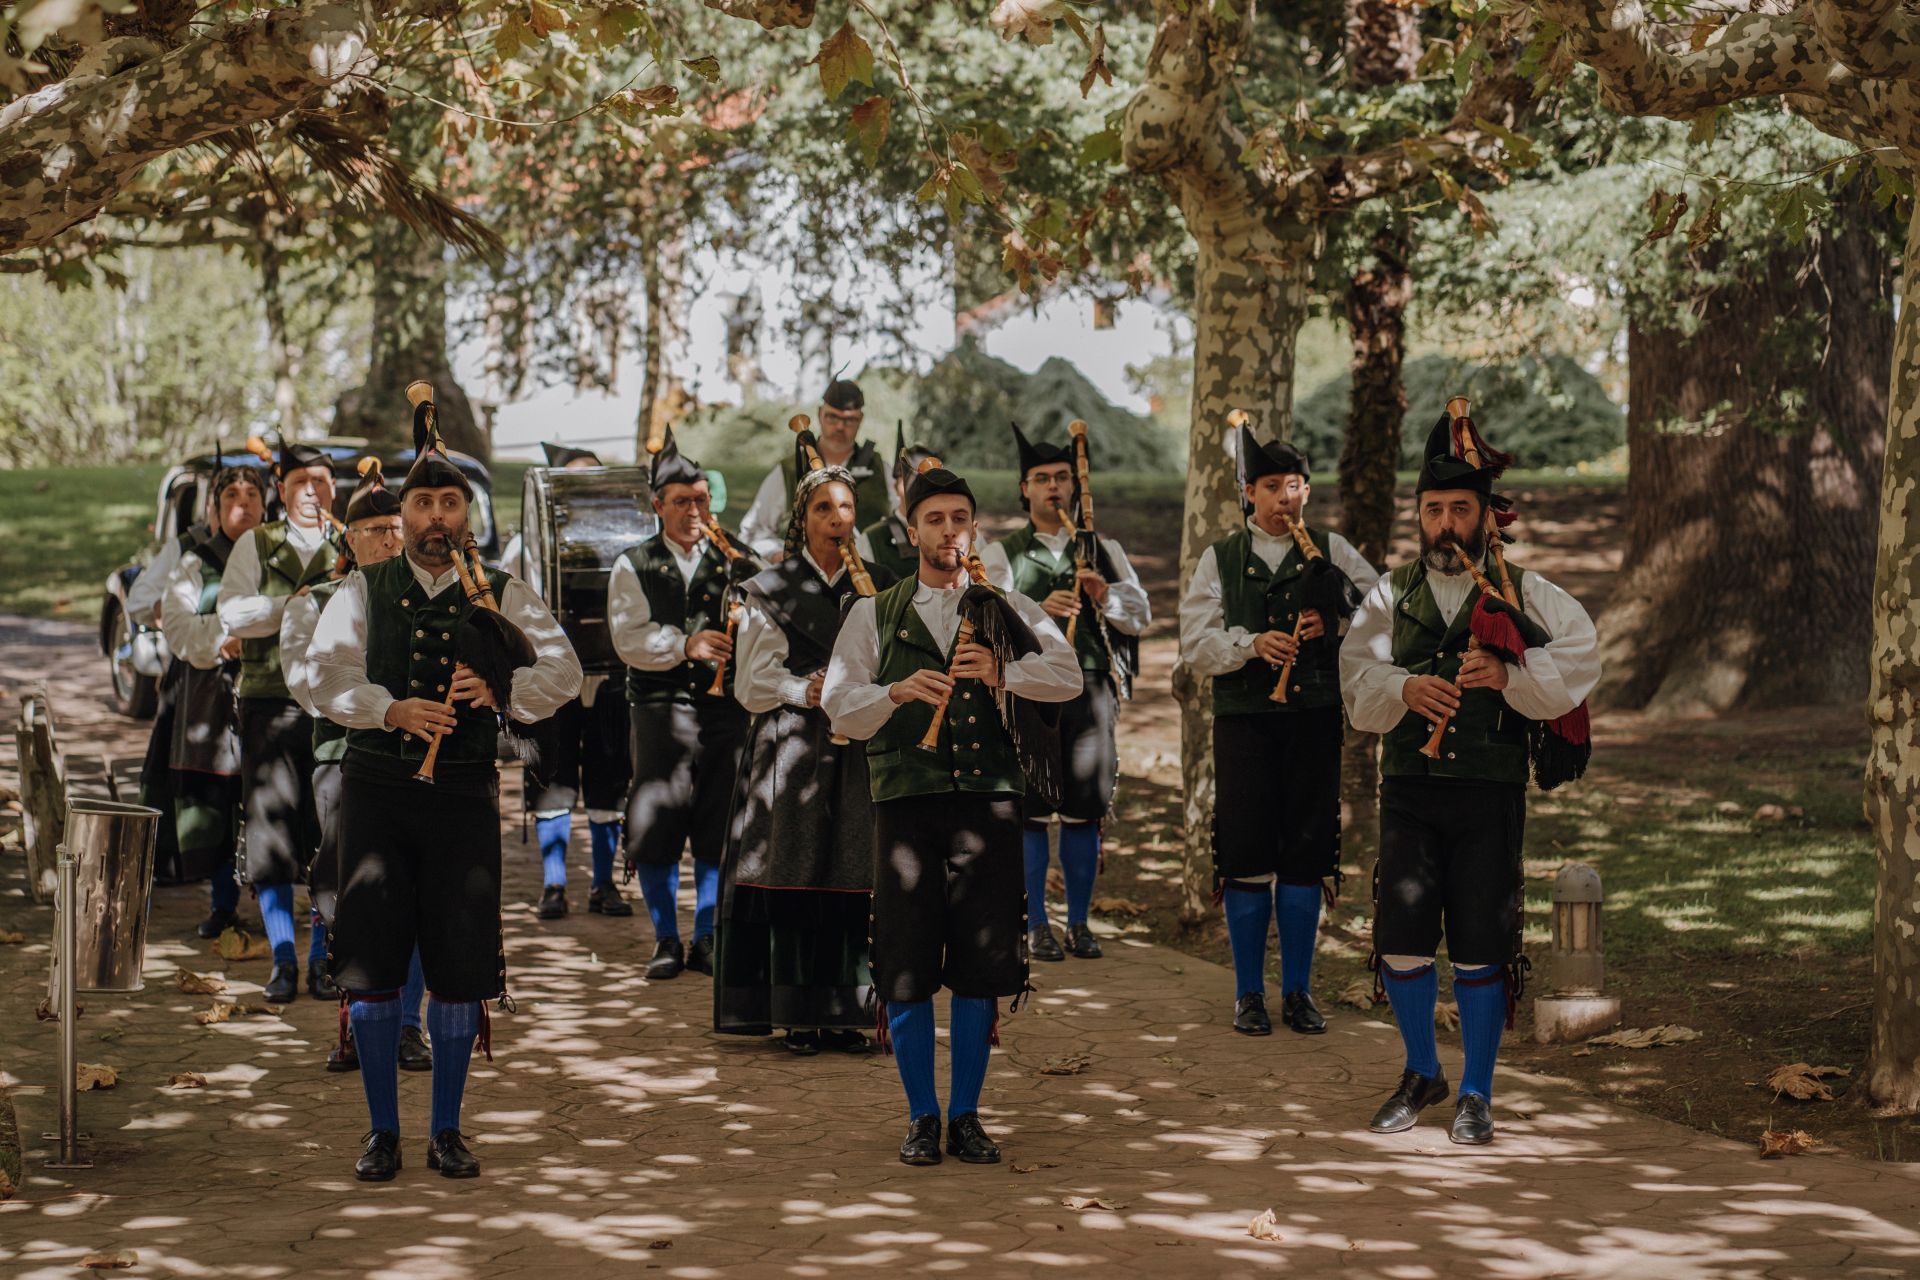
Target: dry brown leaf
(201, 984)
(11, 938)
(219, 1012)
(1447, 1016)
(186, 1080)
(1030, 1168)
(1771, 813)
(1776, 1144)
(1357, 994)
(659, 1244)
(1091, 1202)
(94, 1075)
(115, 1260)
(1118, 907)
(237, 944)
(1646, 1037)
(1265, 1226)
(1801, 1080)
(6, 1186)
(1070, 1065)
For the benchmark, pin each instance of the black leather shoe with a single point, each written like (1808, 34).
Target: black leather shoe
(381, 1159)
(217, 923)
(967, 1140)
(1472, 1121)
(605, 900)
(700, 955)
(450, 1156)
(1298, 1011)
(1250, 1015)
(321, 986)
(802, 1044)
(343, 1056)
(1415, 1094)
(1082, 943)
(923, 1141)
(283, 985)
(414, 1053)
(553, 903)
(845, 1040)
(669, 958)
(1043, 945)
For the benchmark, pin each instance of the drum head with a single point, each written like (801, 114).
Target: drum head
(576, 522)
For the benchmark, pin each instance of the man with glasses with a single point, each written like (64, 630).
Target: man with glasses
(842, 409)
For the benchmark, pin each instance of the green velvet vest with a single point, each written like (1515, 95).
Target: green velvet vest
(1486, 741)
(410, 653)
(1037, 573)
(872, 492)
(280, 575)
(1262, 599)
(699, 605)
(888, 538)
(974, 753)
(329, 739)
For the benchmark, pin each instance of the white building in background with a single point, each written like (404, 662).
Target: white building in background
(1012, 331)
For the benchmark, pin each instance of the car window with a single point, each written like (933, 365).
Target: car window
(184, 504)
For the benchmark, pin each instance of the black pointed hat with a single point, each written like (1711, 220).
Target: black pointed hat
(371, 497)
(432, 468)
(1277, 458)
(669, 467)
(844, 394)
(1458, 457)
(560, 455)
(906, 460)
(291, 455)
(931, 480)
(1040, 454)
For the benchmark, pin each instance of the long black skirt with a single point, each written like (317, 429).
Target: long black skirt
(276, 757)
(686, 759)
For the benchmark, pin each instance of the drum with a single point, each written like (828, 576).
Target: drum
(574, 523)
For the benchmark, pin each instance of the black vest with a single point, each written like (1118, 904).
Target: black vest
(699, 605)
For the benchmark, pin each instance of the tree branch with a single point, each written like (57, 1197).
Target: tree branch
(770, 14)
(66, 150)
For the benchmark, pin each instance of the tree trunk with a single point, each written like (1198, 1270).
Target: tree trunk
(652, 341)
(1746, 580)
(1893, 768)
(286, 407)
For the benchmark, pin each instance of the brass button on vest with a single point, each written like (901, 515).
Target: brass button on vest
(418, 635)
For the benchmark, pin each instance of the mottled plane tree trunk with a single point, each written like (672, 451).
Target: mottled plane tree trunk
(1852, 70)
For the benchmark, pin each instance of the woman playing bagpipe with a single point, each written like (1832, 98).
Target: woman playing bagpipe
(1262, 616)
(943, 678)
(797, 880)
(1475, 672)
(422, 657)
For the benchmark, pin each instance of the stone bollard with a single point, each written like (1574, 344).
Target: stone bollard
(1578, 1009)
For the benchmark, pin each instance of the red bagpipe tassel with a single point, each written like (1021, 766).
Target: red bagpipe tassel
(882, 1030)
(1496, 630)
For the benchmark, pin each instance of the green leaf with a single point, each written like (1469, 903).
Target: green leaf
(1100, 149)
(846, 56)
(545, 19)
(868, 126)
(512, 37)
(707, 67)
(1704, 126)
(1521, 153)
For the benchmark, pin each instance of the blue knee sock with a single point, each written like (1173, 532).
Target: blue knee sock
(1481, 992)
(606, 842)
(970, 1024)
(1034, 850)
(660, 886)
(554, 834)
(1079, 863)
(413, 993)
(706, 897)
(276, 913)
(1296, 908)
(1249, 910)
(452, 1026)
(225, 888)
(911, 1027)
(316, 942)
(1412, 993)
(376, 1037)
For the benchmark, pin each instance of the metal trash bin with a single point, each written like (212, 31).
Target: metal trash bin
(112, 848)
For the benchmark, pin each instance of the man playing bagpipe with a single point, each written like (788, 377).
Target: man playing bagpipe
(672, 606)
(796, 889)
(266, 568)
(1262, 615)
(842, 409)
(373, 534)
(1087, 586)
(421, 657)
(1472, 670)
(203, 748)
(888, 542)
(583, 755)
(940, 674)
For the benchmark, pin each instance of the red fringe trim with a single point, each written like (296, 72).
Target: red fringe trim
(993, 1028)
(346, 1024)
(486, 1031)
(1496, 631)
(1575, 727)
(882, 1029)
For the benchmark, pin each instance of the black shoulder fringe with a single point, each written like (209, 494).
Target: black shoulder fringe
(1033, 726)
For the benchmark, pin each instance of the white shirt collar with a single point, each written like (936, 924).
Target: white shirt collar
(686, 561)
(433, 585)
(1057, 541)
(923, 593)
(304, 537)
(807, 554)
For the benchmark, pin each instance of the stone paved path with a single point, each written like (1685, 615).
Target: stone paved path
(619, 1135)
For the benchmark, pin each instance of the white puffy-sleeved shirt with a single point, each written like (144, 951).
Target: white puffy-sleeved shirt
(1553, 680)
(340, 690)
(244, 611)
(297, 623)
(151, 583)
(1126, 609)
(192, 636)
(858, 708)
(1207, 643)
(761, 680)
(641, 642)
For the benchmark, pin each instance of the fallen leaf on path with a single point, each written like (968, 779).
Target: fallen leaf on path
(11, 938)
(1118, 907)
(1646, 1037)
(43, 1012)
(1771, 813)
(659, 1244)
(238, 944)
(1802, 1081)
(186, 1080)
(6, 1186)
(1091, 1202)
(1776, 1144)
(1447, 1016)
(1070, 1065)
(1030, 1168)
(94, 1075)
(1358, 994)
(201, 984)
(220, 1012)
(1265, 1226)
(114, 1261)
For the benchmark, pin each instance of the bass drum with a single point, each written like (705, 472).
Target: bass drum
(574, 523)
